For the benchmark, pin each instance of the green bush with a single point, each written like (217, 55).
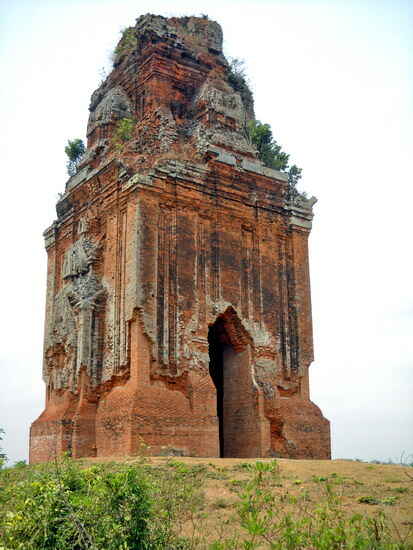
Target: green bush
(3, 456)
(75, 150)
(127, 44)
(237, 79)
(123, 132)
(368, 500)
(272, 155)
(67, 507)
(260, 135)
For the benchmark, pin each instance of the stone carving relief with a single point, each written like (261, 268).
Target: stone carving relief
(113, 106)
(75, 340)
(227, 106)
(227, 103)
(199, 31)
(79, 258)
(205, 137)
(105, 110)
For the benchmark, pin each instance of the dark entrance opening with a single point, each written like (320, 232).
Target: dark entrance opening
(230, 367)
(218, 340)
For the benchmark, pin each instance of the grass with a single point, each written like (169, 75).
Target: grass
(213, 504)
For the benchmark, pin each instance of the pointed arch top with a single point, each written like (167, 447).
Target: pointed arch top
(232, 331)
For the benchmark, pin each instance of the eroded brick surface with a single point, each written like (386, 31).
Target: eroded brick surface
(178, 309)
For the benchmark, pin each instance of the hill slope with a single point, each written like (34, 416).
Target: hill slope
(217, 504)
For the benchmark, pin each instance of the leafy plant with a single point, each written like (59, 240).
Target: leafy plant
(389, 501)
(272, 155)
(73, 508)
(221, 503)
(123, 132)
(75, 149)
(161, 506)
(238, 81)
(3, 456)
(126, 44)
(319, 479)
(368, 500)
(400, 490)
(268, 522)
(217, 473)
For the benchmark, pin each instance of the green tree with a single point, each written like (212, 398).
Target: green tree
(3, 456)
(75, 149)
(272, 155)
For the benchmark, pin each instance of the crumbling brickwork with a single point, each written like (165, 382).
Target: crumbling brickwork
(178, 309)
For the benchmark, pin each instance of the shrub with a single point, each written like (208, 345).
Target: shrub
(368, 500)
(126, 44)
(123, 132)
(272, 155)
(238, 81)
(75, 150)
(3, 456)
(389, 501)
(71, 508)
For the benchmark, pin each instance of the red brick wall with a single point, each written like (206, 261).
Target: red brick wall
(161, 237)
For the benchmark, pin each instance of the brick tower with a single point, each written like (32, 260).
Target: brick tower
(178, 306)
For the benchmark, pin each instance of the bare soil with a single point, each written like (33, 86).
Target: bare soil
(388, 487)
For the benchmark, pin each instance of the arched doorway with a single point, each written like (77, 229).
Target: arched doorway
(217, 341)
(230, 352)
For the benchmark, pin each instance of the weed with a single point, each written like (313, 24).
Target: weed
(20, 464)
(123, 133)
(236, 485)
(111, 505)
(389, 501)
(220, 474)
(358, 482)
(318, 479)
(238, 81)
(221, 503)
(243, 466)
(368, 500)
(126, 45)
(267, 521)
(400, 490)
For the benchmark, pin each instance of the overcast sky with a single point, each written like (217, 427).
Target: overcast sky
(335, 81)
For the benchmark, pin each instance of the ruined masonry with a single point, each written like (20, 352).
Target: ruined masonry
(178, 312)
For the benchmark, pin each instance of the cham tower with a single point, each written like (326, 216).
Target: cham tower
(178, 309)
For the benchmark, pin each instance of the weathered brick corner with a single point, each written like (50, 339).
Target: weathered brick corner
(178, 309)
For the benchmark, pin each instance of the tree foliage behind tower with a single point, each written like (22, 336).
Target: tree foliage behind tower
(272, 155)
(75, 149)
